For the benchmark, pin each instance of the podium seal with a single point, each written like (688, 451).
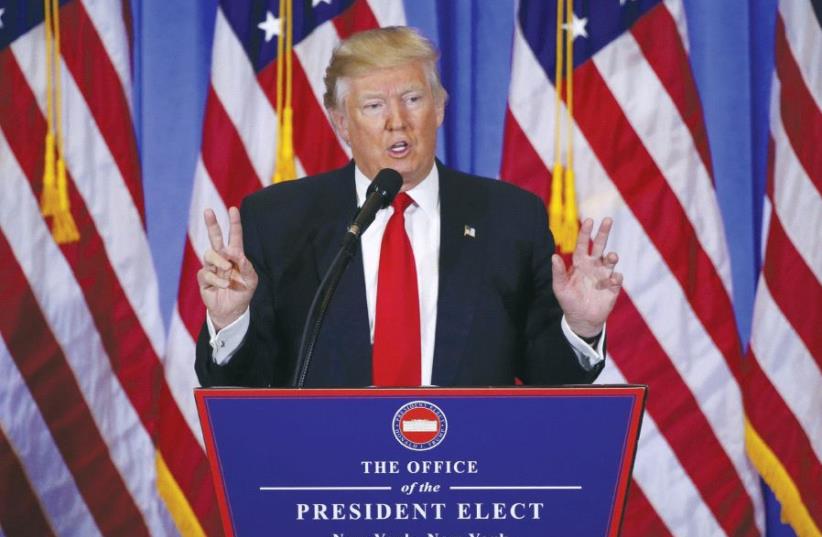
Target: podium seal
(419, 425)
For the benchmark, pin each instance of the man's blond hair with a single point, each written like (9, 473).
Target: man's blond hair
(382, 48)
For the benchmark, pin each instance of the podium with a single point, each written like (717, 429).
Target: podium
(426, 462)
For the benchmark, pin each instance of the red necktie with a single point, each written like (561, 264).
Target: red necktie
(396, 357)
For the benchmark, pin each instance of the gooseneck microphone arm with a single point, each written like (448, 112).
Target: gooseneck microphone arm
(380, 194)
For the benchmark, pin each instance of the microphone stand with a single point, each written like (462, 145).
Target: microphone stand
(322, 298)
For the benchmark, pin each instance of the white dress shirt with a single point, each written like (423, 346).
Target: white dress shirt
(422, 223)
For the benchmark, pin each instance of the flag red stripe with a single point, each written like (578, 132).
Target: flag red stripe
(86, 57)
(314, 140)
(357, 18)
(680, 419)
(640, 516)
(54, 389)
(224, 155)
(657, 36)
(521, 164)
(778, 427)
(800, 115)
(20, 510)
(645, 190)
(794, 287)
(189, 303)
(187, 463)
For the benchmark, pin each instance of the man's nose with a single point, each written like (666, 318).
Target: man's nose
(395, 119)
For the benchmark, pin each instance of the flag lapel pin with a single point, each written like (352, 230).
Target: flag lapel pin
(469, 232)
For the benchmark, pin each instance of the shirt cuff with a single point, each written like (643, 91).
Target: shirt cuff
(226, 342)
(587, 356)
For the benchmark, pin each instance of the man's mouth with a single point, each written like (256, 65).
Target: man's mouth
(398, 149)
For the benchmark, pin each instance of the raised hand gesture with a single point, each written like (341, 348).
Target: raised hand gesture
(588, 291)
(227, 279)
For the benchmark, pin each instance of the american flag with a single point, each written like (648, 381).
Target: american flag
(81, 337)
(237, 158)
(784, 375)
(642, 157)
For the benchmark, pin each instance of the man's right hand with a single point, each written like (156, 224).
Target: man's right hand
(227, 280)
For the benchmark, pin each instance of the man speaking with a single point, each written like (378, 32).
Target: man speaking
(454, 284)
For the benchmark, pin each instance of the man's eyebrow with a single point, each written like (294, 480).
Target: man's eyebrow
(372, 95)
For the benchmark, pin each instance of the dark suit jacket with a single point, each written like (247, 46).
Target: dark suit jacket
(497, 317)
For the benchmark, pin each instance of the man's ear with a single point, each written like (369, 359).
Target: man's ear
(439, 105)
(340, 124)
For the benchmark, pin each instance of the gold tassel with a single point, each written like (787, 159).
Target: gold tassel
(563, 211)
(570, 226)
(555, 206)
(285, 168)
(64, 229)
(50, 197)
(54, 201)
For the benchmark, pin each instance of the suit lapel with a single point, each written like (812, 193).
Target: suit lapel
(344, 348)
(462, 246)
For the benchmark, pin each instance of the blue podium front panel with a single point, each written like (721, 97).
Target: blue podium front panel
(422, 463)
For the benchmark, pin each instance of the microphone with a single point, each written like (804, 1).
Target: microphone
(380, 194)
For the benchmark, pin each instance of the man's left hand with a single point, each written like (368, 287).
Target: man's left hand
(588, 291)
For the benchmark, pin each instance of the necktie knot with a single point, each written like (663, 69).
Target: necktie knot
(401, 202)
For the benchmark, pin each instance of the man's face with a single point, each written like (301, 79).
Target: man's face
(390, 119)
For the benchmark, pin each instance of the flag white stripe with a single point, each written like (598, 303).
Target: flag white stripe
(634, 84)
(388, 13)
(65, 309)
(51, 481)
(94, 171)
(788, 364)
(666, 485)
(805, 41)
(107, 17)
(797, 201)
(314, 53)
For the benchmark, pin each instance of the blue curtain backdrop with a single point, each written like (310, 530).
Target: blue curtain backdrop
(732, 59)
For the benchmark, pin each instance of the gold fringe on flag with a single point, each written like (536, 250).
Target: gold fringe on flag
(54, 200)
(562, 210)
(285, 169)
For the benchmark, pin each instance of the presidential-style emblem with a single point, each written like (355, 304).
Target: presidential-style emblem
(419, 425)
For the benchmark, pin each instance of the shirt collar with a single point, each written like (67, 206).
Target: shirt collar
(426, 194)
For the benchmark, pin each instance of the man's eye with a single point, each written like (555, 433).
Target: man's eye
(372, 107)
